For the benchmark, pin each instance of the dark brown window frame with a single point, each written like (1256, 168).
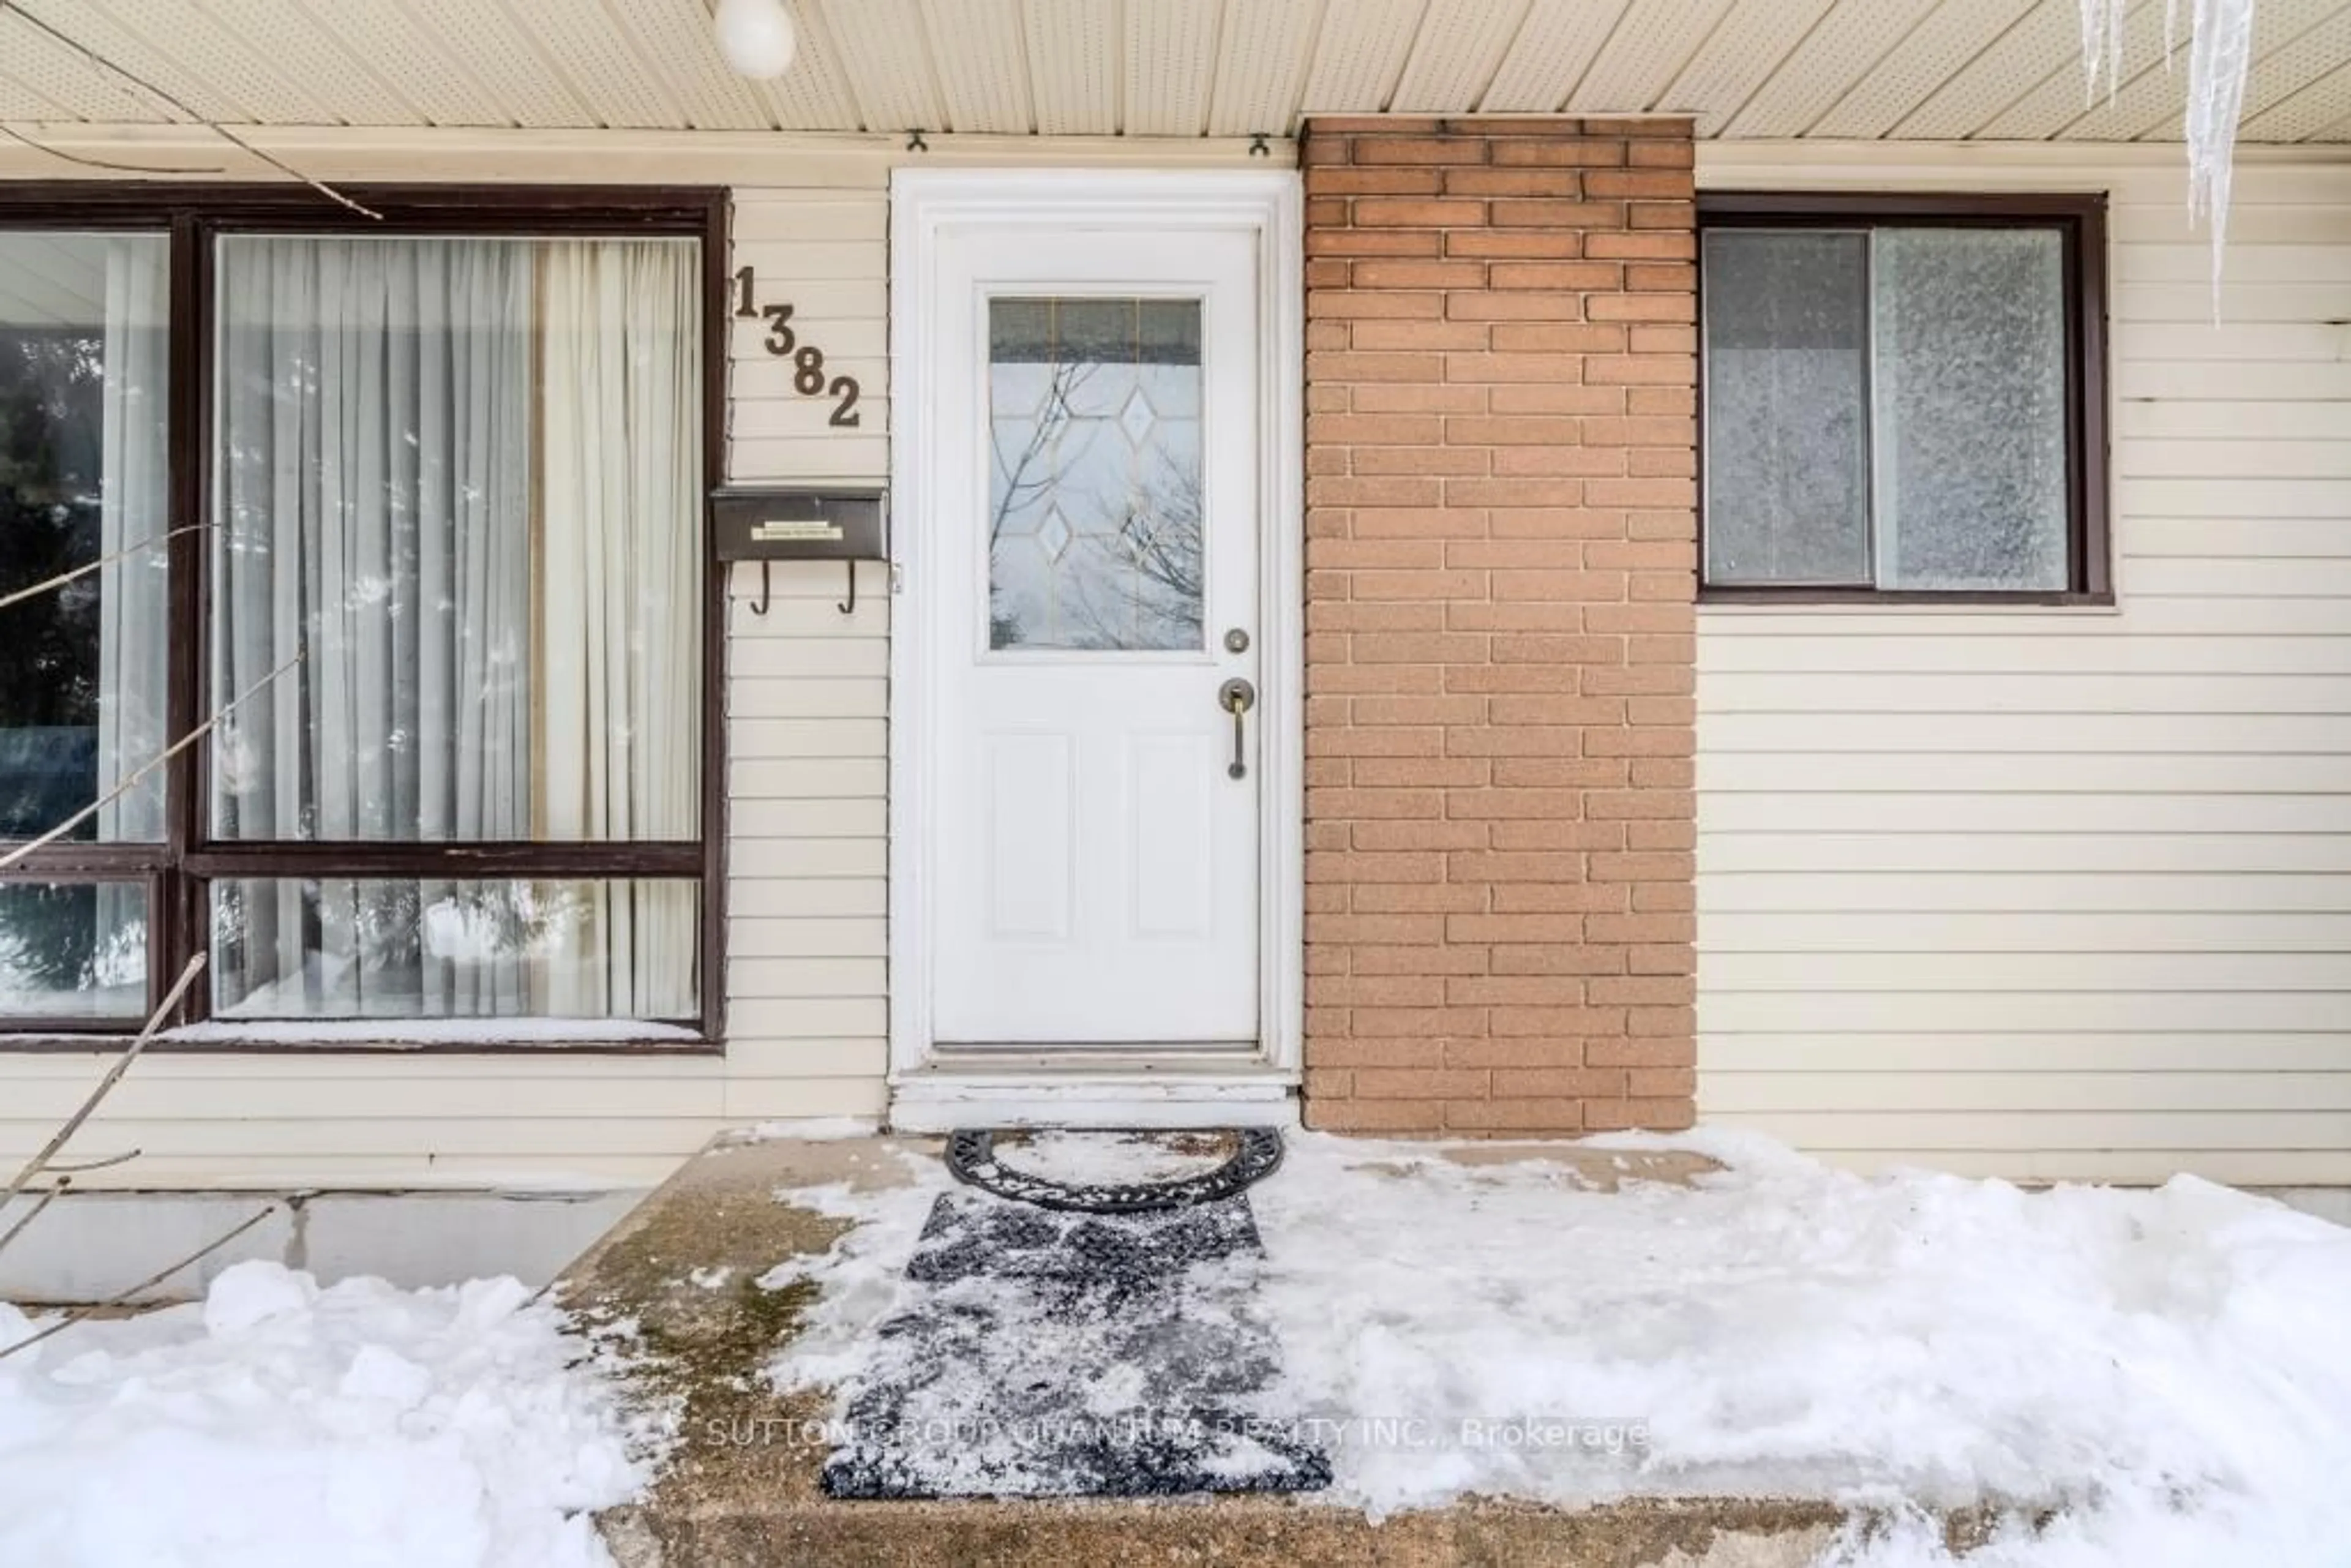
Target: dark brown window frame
(177, 872)
(2080, 221)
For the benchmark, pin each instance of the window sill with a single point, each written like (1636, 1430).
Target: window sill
(1808, 602)
(455, 1037)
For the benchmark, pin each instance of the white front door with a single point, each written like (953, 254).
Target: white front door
(1094, 623)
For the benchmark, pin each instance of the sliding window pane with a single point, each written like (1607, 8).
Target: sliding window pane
(458, 577)
(1787, 407)
(1971, 464)
(435, 948)
(83, 388)
(73, 950)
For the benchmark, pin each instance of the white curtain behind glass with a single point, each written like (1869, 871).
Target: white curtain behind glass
(133, 601)
(621, 628)
(375, 432)
(386, 413)
(134, 506)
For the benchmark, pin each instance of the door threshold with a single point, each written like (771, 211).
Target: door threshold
(1133, 1087)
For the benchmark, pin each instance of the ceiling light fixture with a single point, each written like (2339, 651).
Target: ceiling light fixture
(756, 36)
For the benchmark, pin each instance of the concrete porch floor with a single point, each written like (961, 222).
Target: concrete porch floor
(742, 1485)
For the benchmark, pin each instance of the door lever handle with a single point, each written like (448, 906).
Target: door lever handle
(1237, 696)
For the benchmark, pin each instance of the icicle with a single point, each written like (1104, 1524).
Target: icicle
(2102, 45)
(2219, 54)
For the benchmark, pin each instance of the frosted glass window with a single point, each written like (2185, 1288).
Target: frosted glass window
(1971, 372)
(1787, 406)
(1887, 408)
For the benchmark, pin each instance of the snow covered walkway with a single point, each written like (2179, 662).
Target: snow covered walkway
(2169, 1370)
(2146, 1379)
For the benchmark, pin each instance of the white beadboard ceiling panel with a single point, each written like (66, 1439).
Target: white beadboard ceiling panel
(1459, 47)
(288, 35)
(1171, 60)
(2046, 41)
(1073, 66)
(1736, 60)
(815, 94)
(20, 102)
(176, 48)
(2004, 70)
(883, 47)
(1359, 54)
(1554, 48)
(983, 66)
(491, 47)
(1261, 60)
(596, 54)
(668, 35)
(438, 85)
(1853, 41)
(2317, 113)
(1947, 40)
(68, 80)
(1653, 41)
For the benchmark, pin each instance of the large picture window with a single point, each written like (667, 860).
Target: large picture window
(1901, 397)
(409, 512)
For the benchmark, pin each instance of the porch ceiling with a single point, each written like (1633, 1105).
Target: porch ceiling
(1929, 69)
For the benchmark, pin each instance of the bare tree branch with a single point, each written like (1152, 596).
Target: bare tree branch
(1066, 379)
(123, 788)
(215, 127)
(64, 1135)
(46, 584)
(34, 1213)
(12, 134)
(83, 1313)
(83, 1167)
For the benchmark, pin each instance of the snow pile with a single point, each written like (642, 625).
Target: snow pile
(278, 1423)
(1109, 1159)
(2171, 1369)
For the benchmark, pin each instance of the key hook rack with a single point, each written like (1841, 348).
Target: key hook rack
(768, 525)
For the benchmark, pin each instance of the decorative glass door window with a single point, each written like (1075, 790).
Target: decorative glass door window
(1096, 537)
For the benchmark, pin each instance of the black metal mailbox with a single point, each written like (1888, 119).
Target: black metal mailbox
(804, 524)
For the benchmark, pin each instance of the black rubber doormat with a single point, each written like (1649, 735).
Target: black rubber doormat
(1038, 1352)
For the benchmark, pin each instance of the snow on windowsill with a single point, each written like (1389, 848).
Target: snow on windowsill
(475, 1033)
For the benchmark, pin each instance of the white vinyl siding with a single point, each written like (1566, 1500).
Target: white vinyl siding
(2066, 894)
(807, 731)
(807, 717)
(807, 735)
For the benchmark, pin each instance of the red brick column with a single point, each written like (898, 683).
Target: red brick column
(1501, 564)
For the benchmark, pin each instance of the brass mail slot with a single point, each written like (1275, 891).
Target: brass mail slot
(798, 525)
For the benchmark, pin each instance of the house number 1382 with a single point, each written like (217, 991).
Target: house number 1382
(808, 360)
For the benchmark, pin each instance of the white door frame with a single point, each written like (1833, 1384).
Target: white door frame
(928, 205)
